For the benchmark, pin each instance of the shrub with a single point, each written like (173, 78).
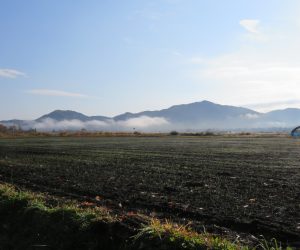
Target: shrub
(174, 133)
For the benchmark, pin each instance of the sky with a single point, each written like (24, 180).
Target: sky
(112, 56)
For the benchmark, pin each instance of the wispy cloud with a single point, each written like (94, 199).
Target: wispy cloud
(52, 92)
(252, 76)
(254, 30)
(196, 60)
(176, 53)
(128, 40)
(255, 72)
(11, 73)
(269, 106)
(251, 25)
(149, 14)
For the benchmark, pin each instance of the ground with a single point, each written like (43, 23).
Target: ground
(237, 186)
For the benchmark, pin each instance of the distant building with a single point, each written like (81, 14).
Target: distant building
(296, 132)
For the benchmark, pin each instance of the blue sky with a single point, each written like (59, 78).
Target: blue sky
(108, 57)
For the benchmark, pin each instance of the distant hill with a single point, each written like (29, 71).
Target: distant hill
(192, 117)
(194, 112)
(288, 116)
(60, 115)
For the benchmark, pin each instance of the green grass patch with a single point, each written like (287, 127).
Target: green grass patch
(39, 221)
(29, 221)
(175, 236)
(183, 237)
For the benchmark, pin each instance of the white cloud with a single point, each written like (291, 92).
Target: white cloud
(250, 77)
(254, 31)
(176, 53)
(196, 60)
(11, 73)
(251, 25)
(142, 122)
(51, 124)
(255, 72)
(151, 14)
(251, 116)
(51, 92)
(267, 106)
(148, 14)
(253, 69)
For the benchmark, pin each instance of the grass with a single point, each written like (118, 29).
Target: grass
(176, 236)
(35, 220)
(47, 203)
(271, 245)
(183, 237)
(28, 220)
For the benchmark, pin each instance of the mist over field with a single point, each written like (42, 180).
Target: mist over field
(152, 124)
(193, 117)
(149, 124)
(143, 123)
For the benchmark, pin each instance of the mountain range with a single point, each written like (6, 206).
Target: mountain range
(197, 116)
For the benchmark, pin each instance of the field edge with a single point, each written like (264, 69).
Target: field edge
(30, 219)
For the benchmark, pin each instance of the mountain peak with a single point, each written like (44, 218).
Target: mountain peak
(60, 115)
(207, 102)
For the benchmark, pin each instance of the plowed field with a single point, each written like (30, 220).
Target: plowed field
(246, 185)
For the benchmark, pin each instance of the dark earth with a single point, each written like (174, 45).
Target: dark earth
(242, 186)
